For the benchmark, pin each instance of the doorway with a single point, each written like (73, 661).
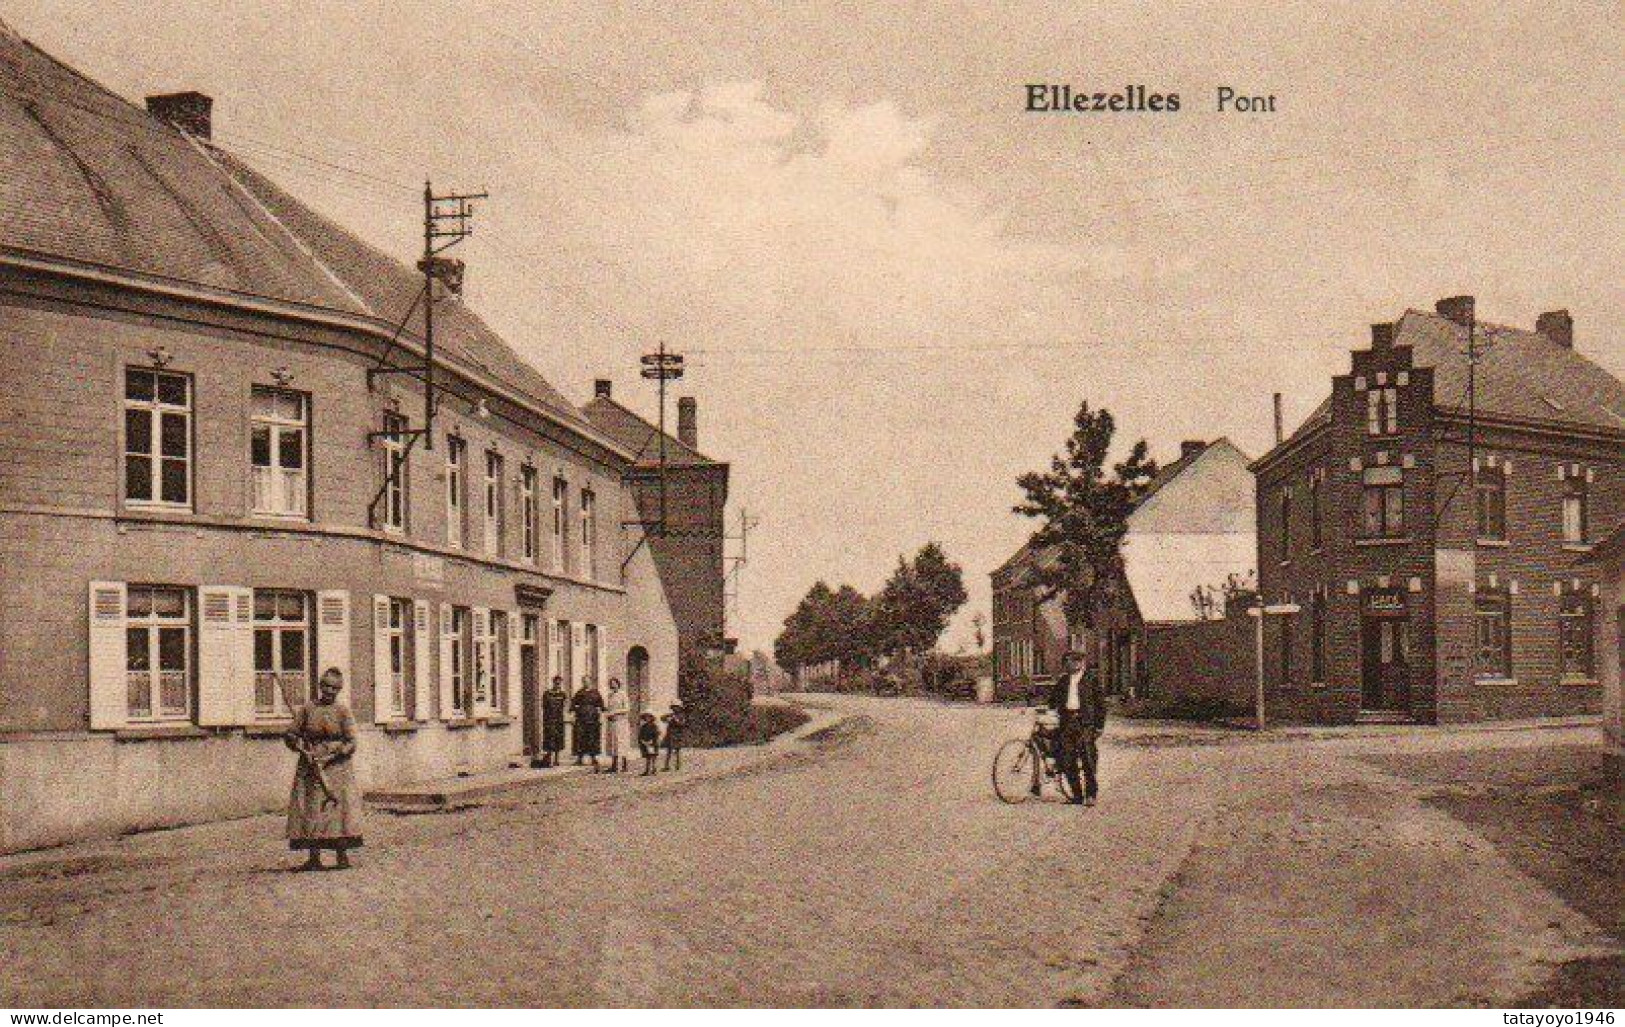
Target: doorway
(530, 678)
(1385, 652)
(637, 678)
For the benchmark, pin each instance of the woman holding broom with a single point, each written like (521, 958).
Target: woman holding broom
(324, 807)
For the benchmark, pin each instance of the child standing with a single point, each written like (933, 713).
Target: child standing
(648, 742)
(676, 720)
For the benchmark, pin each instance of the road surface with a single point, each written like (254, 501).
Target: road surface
(869, 865)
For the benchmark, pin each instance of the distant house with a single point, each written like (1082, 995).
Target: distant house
(1193, 529)
(1609, 561)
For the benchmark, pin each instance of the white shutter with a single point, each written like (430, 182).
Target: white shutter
(382, 698)
(578, 658)
(109, 667)
(555, 655)
(225, 671)
(333, 634)
(484, 678)
(516, 661)
(420, 660)
(448, 640)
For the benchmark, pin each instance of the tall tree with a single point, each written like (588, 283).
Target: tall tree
(911, 611)
(1084, 512)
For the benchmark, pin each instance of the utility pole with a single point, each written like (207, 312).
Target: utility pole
(731, 581)
(662, 367)
(447, 221)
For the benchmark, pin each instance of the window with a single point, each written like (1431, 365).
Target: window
(1575, 513)
(461, 644)
(1492, 613)
(492, 538)
(456, 450)
(1384, 510)
(589, 533)
(1317, 639)
(1576, 627)
(396, 636)
(158, 653)
(1382, 411)
(279, 451)
(282, 652)
(1286, 649)
(484, 662)
(561, 493)
(1315, 482)
(1490, 490)
(528, 513)
(591, 671)
(157, 438)
(499, 661)
(395, 469)
(1286, 525)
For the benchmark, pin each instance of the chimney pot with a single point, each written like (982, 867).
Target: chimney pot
(1191, 448)
(1558, 326)
(603, 387)
(1280, 423)
(688, 422)
(1382, 336)
(191, 112)
(1458, 309)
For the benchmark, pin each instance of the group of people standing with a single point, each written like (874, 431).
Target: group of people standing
(324, 804)
(602, 725)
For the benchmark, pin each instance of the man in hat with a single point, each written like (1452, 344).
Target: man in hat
(1080, 707)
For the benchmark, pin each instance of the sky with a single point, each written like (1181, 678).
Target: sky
(893, 285)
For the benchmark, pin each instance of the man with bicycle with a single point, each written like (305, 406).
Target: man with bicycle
(1080, 707)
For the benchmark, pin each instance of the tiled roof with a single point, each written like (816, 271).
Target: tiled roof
(634, 433)
(89, 177)
(1522, 375)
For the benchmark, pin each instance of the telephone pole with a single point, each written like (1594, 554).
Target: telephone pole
(731, 580)
(662, 367)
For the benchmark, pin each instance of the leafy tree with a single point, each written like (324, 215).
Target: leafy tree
(828, 624)
(911, 611)
(1084, 512)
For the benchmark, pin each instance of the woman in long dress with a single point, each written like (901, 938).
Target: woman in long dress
(587, 705)
(618, 736)
(324, 806)
(554, 701)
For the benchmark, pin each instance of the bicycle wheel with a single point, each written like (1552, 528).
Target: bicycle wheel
(1053, 770)
(1015, 771)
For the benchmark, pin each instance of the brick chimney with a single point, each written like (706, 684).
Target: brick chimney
(1191, 448)
(602, 388)
(1382, 336)
(1558, 326)
(1456, 308)
(688, 422)
(190, 112)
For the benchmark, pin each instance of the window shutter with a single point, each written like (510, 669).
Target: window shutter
(419, 707)
(555, 655)
(516, 659)
(109, 666)
(242, 622)
(448, 639)
(484, 673)
(333, 634)
(381, 685)
(224, 670)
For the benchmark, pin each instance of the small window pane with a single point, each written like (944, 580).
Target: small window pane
(291, 449)
(137, 478)
(264, 646)
(292, 606)
(260, 448)
(293, 650)
(174, 481)
(137, 655)
(169, 602)
(172, 389)
(172, 648)
(139, 603)
(138, 431)
(264, 605)
(264, 402)
(290, 406)
(173, 429)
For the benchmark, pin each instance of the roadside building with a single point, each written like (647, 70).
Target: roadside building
(1192, 529)
(197, 514)
(1430, 585)
(1609, 559)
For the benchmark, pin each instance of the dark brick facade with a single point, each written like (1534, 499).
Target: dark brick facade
(1395, 604)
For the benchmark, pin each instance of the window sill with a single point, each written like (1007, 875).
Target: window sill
(503, 721)
(272, 517)
(398, 727)
(138, 506)
(159, 732)
(1384, 540)
(1579, 547)
(461, 724)
(1492, 543)
(1495, 680)
(1577, 681)
(267, 729)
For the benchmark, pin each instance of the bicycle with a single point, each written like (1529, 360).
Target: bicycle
(1023, 765)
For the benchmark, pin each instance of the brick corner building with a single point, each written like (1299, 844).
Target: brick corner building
(1430, 585)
